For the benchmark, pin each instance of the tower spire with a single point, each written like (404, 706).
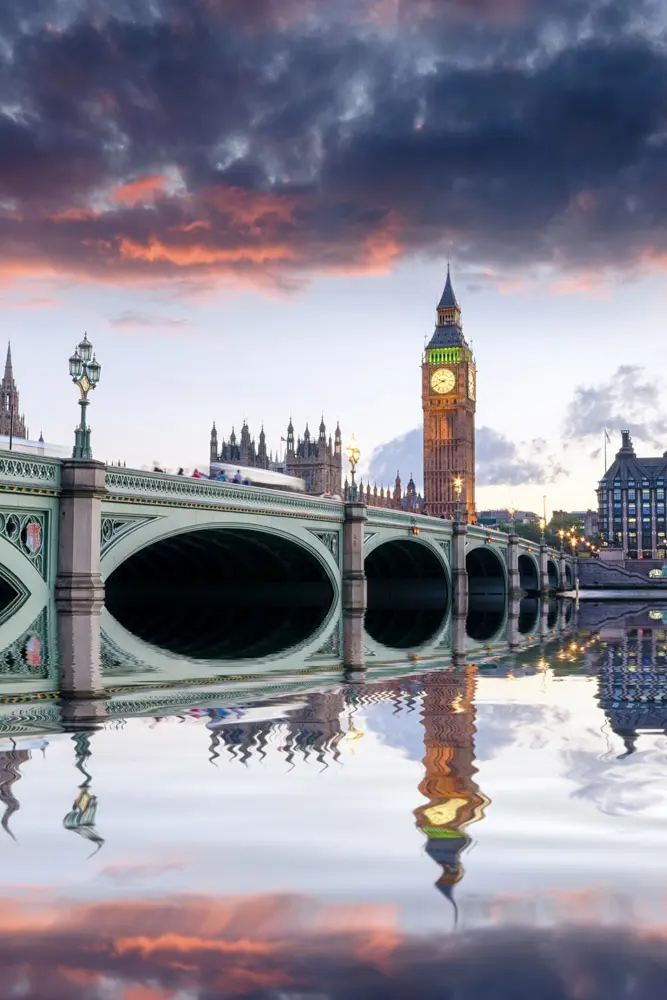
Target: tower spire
(9, 374)
(448, 299)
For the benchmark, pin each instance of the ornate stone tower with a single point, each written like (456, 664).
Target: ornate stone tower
(449, 392)
(12, 420)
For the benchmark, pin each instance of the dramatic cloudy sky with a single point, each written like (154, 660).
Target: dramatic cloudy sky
(249, 206)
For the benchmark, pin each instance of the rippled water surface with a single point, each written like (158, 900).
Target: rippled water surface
(485, 825)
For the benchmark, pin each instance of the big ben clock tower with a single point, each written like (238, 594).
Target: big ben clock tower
(449, 391)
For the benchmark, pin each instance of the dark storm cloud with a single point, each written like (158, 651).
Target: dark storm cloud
(284, 139)
(629, 400)
(499, 461)
(249, 947)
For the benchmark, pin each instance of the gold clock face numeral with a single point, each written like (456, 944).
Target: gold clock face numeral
(471, 383)
(443, 380)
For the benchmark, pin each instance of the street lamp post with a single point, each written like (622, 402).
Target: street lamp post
(353, 454)
(85, 372)
(543, 525)
(458, 489)
(511, 513)
(561, 535)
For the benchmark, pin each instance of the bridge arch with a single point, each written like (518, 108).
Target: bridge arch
(397, 560)
(486, 572)
(529, 573)
(145, 662)
(223, 590)
(569, 581)
(408, 593)
(554, 575)
(529, 610)
(487, 588)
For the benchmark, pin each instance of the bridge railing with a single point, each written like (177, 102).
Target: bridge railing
(27, 472)
(187, 491)
(388, 517)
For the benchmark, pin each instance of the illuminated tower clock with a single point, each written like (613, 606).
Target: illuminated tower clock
(449, 392)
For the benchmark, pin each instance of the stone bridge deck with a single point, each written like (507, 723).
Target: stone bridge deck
(139, 509)
(147, 536)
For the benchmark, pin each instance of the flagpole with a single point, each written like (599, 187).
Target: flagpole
(604, 471)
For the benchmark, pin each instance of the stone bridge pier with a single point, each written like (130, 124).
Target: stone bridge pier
(355, 586)
(79, 589)
(459, 569)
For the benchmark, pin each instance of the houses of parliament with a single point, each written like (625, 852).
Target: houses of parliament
(449, 394)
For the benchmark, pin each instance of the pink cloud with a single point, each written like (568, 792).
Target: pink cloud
(38, 302)
(141, 190)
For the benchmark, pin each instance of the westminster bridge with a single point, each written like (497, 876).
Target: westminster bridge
(147, 569)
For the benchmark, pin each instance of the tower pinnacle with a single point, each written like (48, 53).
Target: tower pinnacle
(12, 422)
(448, 299)
(9, 374)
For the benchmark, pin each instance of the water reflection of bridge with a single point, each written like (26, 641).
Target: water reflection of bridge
(320, 728)
(34, 652)
(310, 722)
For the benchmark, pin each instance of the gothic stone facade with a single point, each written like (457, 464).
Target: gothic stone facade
(318, 462)
(395, 499)
(242, 452)
(12, 421)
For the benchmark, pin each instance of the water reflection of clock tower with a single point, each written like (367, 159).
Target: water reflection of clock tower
(449, 393)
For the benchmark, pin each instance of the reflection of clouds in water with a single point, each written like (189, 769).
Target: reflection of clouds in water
(497, 728)
(620, 787)
(502, 726)
(402, 731)
(265, 946)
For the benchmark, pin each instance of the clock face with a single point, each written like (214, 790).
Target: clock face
(471, 383)
(443, 380)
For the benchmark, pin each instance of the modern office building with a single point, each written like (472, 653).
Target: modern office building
(631, 504)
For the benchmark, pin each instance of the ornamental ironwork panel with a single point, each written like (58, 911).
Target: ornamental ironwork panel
(125, 702)
(332, 647)
(446, 547)
(36, 473)
(115, 528)
(35, 719)
(27, 531)
(398, 518)
(29, 657)
(184, 491)
(114, 659)
(331, 540)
